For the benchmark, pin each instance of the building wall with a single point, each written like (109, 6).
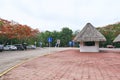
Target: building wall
(89, 48)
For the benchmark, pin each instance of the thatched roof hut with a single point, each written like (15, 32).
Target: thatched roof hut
(117, 39)
(89, 39)
(89, 33)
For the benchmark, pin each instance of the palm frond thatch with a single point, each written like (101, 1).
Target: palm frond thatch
(89, 33)
(117, 39)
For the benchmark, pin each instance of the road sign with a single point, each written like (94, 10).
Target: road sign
(58, 41)
(49, 39)
(70, 43)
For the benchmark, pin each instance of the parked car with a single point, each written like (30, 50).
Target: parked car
(19, 46)
(110, 46)
(1, 48)
(31, 47)
(10, 47)
(24, 45)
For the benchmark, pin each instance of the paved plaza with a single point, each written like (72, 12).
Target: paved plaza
(69, 65)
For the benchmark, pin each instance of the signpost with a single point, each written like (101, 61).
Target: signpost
(58, 43)
(71, 43)
(49, 41)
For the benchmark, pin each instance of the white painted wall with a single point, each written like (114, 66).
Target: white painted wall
(89, 48)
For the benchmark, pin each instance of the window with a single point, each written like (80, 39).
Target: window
(90, 43)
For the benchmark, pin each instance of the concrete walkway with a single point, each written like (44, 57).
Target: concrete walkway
(69, 65)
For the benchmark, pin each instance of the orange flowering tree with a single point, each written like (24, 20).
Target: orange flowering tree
(10, 31)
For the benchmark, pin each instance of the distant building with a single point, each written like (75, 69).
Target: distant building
(89, 39)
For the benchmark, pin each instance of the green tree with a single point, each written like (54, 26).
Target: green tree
(110, 32)
(56, 35)
(65, 36)
(43, 37)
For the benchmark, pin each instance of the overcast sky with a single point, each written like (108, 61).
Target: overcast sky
(56, 14)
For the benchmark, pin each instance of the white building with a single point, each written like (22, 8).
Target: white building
(89, 39)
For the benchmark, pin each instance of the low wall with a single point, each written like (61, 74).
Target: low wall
(89, 49)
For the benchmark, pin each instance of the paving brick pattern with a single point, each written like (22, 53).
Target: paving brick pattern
(69, 65)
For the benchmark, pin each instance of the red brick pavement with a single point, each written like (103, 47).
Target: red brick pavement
(69, 65)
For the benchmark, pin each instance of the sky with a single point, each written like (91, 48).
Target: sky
(55, 14)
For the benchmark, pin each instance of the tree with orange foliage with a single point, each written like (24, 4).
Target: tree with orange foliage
(12, 30)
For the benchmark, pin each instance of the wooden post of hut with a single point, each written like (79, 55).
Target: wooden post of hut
(89, 39)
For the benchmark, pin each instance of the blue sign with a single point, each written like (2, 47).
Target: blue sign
(71, 43)
(49, 39)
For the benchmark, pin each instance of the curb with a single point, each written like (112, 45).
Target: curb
(17, 65)
(9, 69)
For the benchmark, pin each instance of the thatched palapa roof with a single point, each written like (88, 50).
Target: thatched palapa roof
(117, 39)
(89, 33)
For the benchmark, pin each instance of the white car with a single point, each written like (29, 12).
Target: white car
(10, 47)
(31, 47)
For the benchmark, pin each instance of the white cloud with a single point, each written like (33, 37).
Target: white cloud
(55, 14)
